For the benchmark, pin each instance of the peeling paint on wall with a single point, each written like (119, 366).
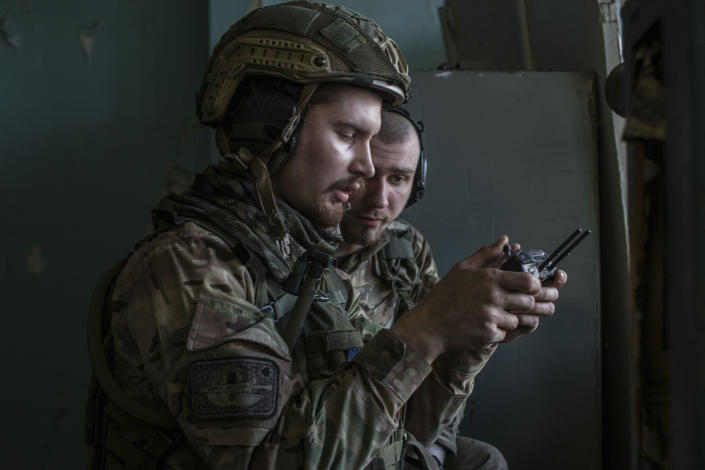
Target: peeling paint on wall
(35, 262)
(87, 39)
(86, 43)
(8, 35)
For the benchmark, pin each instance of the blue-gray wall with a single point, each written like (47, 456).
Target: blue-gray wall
(85, 142)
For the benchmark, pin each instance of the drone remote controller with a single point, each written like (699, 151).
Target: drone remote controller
(538, 262)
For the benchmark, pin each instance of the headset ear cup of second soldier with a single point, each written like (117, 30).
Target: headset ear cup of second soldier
(419, 184)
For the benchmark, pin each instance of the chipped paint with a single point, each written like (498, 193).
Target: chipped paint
(86, 43)
(8, 36)
(35, 262)
(87, 39)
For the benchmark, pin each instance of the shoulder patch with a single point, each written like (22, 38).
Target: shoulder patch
(239, 388)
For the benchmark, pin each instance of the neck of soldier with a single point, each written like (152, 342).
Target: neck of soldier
(345, 249)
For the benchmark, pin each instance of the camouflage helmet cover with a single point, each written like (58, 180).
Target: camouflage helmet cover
(305, 42)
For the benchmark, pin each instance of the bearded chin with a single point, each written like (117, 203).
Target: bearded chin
(356, 234)
(326, 215)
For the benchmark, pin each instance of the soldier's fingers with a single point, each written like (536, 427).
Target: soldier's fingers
(559, 278)
(547, 294)
(507, 321)
(520, 331)
(543, 309)
(527, 323)
(487, 255)
(520, 282)
(517, 302)
(498, 262)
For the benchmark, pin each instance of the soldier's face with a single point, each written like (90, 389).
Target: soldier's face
(384, 196)
(332, 155)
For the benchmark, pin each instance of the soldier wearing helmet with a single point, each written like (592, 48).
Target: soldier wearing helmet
(228, 338)
(390, 263)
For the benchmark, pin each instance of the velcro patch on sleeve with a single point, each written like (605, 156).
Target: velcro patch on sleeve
(234, 388)
(216, 320)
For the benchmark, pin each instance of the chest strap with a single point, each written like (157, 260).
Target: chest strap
(280, 307)
(398, 247)
(303, 282)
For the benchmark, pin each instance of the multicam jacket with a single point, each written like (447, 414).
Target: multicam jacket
(390, 277)
(189, 338)
(393, 274)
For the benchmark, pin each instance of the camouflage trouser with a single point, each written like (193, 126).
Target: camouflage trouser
(475, 455)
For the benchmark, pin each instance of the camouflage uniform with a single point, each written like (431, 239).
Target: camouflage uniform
(392, 274)
(390, 277)
(189, 338)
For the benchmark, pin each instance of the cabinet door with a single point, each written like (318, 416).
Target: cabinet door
(515, 154)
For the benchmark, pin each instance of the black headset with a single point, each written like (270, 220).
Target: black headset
(419, 184)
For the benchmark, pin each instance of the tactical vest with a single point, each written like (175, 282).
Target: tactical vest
(122, 433)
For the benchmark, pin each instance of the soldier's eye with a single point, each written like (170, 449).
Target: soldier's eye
(398, 179)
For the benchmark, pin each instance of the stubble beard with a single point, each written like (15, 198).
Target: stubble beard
(326, 214)
(356, 234)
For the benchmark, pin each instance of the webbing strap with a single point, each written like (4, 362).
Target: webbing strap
(254, 265)
(280, 307)
(265, 196)
(299, 312)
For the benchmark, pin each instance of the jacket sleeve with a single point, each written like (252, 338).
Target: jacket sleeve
(435, 409)
(188, 337)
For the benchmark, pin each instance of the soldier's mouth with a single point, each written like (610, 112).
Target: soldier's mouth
(342, 192)
(341, 196)
(372, 222)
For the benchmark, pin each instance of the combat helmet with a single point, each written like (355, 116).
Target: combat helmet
(301, 44)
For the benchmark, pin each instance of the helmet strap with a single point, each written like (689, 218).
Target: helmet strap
(258, 166)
